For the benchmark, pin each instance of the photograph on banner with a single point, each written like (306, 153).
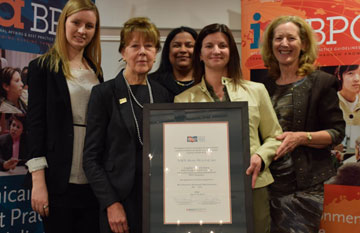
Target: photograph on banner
(349, 93)
(12, 144)
(13, 81)
(13, 108)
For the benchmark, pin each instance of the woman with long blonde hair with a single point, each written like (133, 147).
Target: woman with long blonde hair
(60, 82)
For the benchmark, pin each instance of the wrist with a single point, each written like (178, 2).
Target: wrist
(38, 178)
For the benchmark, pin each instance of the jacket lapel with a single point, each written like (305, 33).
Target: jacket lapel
(123, 103)
(60, 81)
(235, 95)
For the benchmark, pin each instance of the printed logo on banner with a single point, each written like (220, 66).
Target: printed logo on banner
(30, 25)
(16, 214)
(336, 24)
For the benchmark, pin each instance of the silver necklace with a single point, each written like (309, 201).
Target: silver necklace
(132, 96)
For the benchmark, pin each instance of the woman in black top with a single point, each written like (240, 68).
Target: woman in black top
(175, 70)
(114, 140)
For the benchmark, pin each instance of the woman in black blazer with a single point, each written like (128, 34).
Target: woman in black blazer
(113, 145)
(60, 83)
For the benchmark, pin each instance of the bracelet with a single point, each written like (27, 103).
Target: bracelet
(309, 137)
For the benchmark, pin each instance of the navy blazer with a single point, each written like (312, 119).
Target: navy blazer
(111, 140)
(50, 123)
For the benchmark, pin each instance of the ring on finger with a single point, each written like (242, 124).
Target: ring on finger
(45, 206)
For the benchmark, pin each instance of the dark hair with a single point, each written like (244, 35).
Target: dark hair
(348, 174)
(19, 118)
(165, 65)
(6, 75)
(234, 69)
(340, 70)
(23, 75)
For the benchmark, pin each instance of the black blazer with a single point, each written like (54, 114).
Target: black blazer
(6, 150)
(111, 140)
(50, 123)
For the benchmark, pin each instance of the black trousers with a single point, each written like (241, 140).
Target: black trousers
(75, 211)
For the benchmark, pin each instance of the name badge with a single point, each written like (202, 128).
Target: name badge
(122, 101)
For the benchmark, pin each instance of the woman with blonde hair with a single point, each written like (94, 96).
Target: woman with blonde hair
(114, 138)
(307, 107)
(60, 82)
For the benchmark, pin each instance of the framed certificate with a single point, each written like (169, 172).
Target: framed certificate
(195, 158)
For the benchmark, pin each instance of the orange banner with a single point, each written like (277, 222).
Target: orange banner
(336, 23)
(341, 209)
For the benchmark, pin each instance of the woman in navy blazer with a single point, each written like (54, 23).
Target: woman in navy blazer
(113, 145)
(60, 83)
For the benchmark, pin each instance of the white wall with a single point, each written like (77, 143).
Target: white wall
(166, 14)
(171, 13)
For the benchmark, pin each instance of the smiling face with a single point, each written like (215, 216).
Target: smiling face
(351, 81)
(15, 88)
(286, 44)
(139, 54)
(215, 52)
(181, 50)
(80, 29)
